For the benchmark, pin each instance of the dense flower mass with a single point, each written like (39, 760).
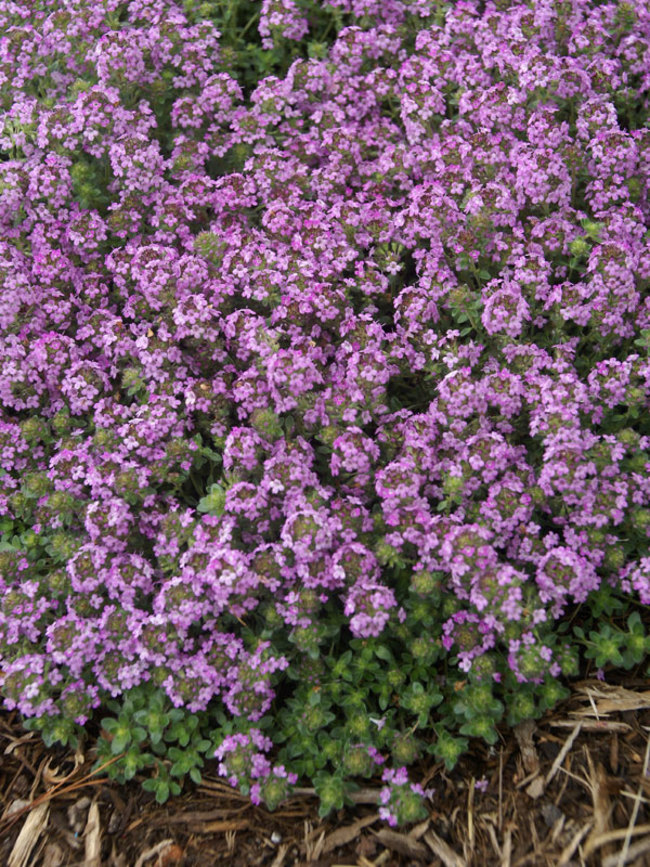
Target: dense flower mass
(323, 393)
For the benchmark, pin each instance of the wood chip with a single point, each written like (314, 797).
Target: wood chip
(572, 845)
(536, 788)
(588, 725)
(493, 839)
(563, 753)
(194, 817)
(613, 753)
(602, 805)
(278, 861)
(93, 837)
(468, 845)
(416, 832)
(53, 855)
(15, 807)
(311, 862)
(615, 699)
(507, 848)
(345, 835)
(628, 856)
(220, 827)
(209, 787)
(443, 850)
(170, 857)
(622, 858)
(117, 859)
(524, 732)
(617, 835)
(158, 849)
(29, 835)
(401, 843)
(78, 814)
(314, 842)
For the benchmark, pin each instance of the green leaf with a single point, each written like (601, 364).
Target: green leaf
(162, 791)
(214, 502)
(120, 743)
(634, 623)
(481, 727)
(210, 453)
(384, 653)
(49, 737)
(138, 734)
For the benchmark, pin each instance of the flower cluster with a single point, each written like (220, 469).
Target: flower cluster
(243, 763)
(321, 330)
(401, 801)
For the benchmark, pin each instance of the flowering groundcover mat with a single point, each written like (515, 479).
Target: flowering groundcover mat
(324, 378)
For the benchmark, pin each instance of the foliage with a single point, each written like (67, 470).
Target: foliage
(324, 379)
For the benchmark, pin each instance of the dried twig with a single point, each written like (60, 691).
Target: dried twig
(628, 856)
(278, 861)
(59, 789)
(635, 811)
(563, 753)
(570, 848)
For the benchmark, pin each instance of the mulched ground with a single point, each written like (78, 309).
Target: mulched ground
(572, 789)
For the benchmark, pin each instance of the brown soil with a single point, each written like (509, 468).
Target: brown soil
(572, 789)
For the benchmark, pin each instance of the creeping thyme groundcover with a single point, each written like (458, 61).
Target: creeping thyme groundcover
(324, 378)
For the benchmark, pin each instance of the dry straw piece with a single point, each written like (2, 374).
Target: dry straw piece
(29, 836)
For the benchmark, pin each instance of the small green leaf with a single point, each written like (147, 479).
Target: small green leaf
(384, 653)
(634, 623)
(162, 791)
(120, 743)
(138, 734)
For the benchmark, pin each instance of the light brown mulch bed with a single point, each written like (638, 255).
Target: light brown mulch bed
(571, 789)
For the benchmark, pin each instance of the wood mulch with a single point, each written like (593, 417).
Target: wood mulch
(571, 789)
